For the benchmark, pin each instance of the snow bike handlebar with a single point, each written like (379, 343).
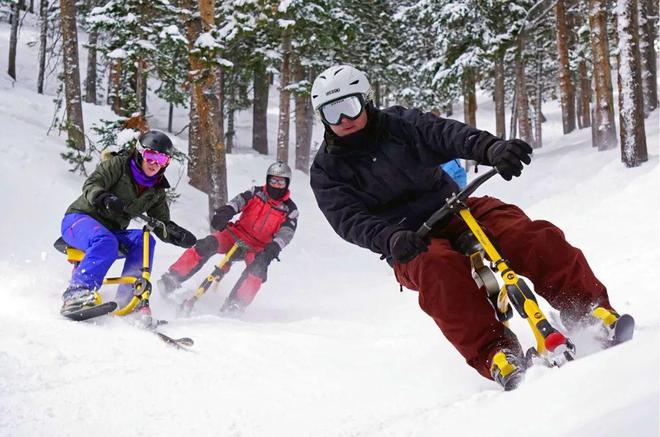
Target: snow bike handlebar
(153, 223)
(453, 203)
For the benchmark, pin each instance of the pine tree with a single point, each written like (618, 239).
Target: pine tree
(133, 31)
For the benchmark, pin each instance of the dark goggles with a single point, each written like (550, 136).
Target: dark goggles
(276, 181)
(349, 107)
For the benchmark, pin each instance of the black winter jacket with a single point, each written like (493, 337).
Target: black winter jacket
(391, 180)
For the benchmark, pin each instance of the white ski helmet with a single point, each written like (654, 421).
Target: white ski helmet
(280, 169)
(337, 82)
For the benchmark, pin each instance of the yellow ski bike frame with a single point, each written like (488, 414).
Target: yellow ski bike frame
(551, 345)
(141, 285)
(213, 278)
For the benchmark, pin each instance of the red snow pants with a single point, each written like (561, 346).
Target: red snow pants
(535, 249)
(221, 242)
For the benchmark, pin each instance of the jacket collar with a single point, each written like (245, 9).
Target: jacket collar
(162, 183)
(282, 199)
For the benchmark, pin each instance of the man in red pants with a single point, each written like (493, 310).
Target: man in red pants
(376, 180)
(268, 222)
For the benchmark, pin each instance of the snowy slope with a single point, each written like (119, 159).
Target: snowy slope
(329, 347)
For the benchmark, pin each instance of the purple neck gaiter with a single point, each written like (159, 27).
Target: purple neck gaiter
(142, 179)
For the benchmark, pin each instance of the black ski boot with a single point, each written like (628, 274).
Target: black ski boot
(167, 284)
(231, 307)
(81, 303)
(77, 298)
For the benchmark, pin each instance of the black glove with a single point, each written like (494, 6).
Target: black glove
(180, 236)
(508, 157)
(221, 217)
(406, 245)
(110, 202)
(271, 251)
(259, 266)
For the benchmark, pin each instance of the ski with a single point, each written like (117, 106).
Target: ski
(108, 307)
(180, 343)
(90, 312)
(623, 329)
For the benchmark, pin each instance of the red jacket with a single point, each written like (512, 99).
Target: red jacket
(263, 219)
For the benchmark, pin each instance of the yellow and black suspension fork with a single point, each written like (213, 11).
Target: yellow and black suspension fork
(516, 290)
(141, 285)
(216, 274)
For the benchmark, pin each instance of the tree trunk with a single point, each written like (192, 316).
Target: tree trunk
(377, 97)
(500, 128)
(649, 33)
(538, 98)
(304, 123)
(231, 113)
(513, 122)
(631, 114)
(74, 115)
(90, 81)
(114, 82)
(220, 110)
(603, 123)
(260, 110)
(13, 38)
(205, 95)
(469, 100)
(448, 109)
(140, 84)
(197, 165)
(566, 88)
(522, 105)
(584, 111)
(197, 173)
(285, 100)
(43, 41)
(170, 115)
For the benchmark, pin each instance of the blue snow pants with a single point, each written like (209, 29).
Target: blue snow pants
(101, 248)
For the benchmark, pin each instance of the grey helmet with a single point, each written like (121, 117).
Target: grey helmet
(280, 169)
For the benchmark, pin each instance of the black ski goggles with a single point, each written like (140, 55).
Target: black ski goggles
(349, 107)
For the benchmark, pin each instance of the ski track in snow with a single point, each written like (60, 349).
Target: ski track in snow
(329, 347)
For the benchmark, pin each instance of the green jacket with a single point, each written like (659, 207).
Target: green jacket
(114, 176)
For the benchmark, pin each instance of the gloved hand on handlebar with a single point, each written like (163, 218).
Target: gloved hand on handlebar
(507, 156)
(111, 203)
(179, 236)
(406, 245)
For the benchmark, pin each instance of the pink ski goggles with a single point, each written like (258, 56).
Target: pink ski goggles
(154, 156)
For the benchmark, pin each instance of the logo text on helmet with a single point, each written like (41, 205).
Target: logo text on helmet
(336, 90)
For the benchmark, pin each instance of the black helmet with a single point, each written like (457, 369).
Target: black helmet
(156, 140)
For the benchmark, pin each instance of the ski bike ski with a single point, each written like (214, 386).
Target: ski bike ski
(182, 343)
(86, 313)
